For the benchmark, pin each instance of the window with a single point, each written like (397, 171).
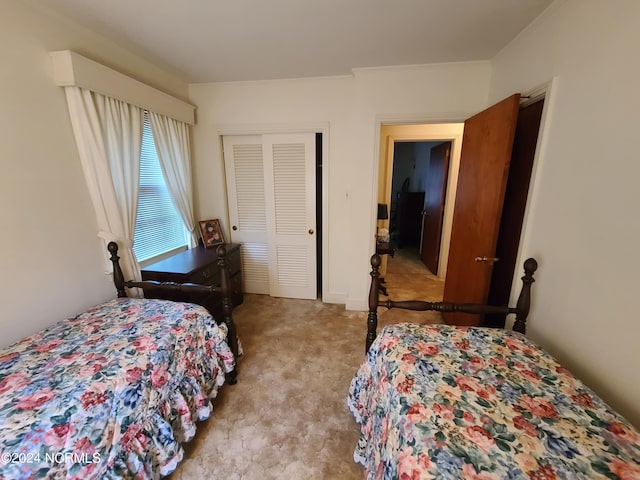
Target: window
(159, 228)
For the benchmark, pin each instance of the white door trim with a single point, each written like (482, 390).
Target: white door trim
(317, 127)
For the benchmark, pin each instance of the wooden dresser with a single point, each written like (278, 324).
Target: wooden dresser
(198, 265)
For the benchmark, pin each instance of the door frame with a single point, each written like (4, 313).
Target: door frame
(548, 90)
(428, 238)
(388, 133)
(263, 129)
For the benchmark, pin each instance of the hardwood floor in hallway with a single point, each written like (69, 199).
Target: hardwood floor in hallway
(407, 278)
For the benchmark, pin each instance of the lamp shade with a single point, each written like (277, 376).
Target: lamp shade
(383, 211)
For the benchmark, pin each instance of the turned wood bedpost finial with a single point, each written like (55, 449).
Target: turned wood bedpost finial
(372, 318)
(524, 300)
(118, 277)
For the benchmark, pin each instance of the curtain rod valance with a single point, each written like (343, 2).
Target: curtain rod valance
(72, 69)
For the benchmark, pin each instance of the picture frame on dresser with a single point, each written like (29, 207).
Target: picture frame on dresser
(211, 233)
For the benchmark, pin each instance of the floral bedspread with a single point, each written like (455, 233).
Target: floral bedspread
(444, 402)
(110, 393)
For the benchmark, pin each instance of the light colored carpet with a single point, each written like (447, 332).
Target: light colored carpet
(287, 416)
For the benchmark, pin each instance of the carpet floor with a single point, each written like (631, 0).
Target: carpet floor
(287, 415)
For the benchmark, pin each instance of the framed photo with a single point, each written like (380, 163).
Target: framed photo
(211, 233)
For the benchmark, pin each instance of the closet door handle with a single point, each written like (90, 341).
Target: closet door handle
(234, 228)
(311, 231)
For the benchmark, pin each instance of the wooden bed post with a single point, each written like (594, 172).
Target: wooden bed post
(227, 307)
(524, 299)
(224, 289)
(118, 276)
(521, 310)
(372, 318)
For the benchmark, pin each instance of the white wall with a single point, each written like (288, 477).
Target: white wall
(52, 261)
(583, 227)
(353, 108)
(255, 107)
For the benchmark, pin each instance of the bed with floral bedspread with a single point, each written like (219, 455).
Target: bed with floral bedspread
(445, 402)
(110, 393)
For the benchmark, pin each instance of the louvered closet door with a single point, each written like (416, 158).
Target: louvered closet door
(271, 194)
(244, 169)
(291, 212)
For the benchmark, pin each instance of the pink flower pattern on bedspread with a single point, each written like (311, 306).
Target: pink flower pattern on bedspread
(111, 393)
(445, 402)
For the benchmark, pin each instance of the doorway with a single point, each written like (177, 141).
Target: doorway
(515, 202)
(423, 136)
(418, 195)
(515, 241)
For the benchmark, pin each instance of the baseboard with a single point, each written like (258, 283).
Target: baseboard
(333, 297)
(358, 304)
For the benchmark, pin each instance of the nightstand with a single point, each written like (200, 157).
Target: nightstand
(198, 265)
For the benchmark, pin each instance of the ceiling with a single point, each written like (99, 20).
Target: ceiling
(236, 40)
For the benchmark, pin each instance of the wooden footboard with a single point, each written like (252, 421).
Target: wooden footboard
(521, 310)
(224, 289)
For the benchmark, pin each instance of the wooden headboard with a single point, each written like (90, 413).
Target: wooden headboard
(521, 310)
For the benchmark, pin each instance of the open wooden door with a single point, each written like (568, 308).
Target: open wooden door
(433, 213)
(515, 204)
(482, 180)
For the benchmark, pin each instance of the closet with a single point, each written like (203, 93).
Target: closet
(271, 196)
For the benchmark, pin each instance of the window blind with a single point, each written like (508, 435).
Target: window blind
(159, 228)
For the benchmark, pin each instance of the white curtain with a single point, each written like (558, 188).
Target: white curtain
(172, 144)
(108, 134)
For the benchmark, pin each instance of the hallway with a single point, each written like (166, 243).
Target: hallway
(408, 279)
